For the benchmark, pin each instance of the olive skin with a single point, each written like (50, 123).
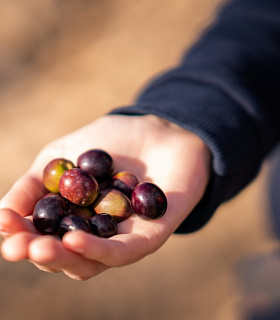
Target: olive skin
(53, 172)
(73, 223)
(103, 225)
(148, 201)
(83, 212)
(98, 163)
(113, 202)
(125, 182)
(79, 187)
(48, 212)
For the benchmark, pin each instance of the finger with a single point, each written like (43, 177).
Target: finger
(23, 195)
(15, 248)
(116, 251)
(49, 253)
(11, 222)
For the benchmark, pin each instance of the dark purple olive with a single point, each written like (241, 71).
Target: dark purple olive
(48, 212)
(148, 201)
(79, 187)
(53, 172)
(103, 225)
(98, 163)
(113, 202)
(73, 223)
(125, 182)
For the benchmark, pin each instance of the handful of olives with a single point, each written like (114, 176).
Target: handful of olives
(92, 198)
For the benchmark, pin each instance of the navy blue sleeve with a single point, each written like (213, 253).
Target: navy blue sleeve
(226, 90)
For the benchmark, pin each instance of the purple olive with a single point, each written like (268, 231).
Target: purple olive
(103, 225)
(125, 182)
(53, 172)
(73, 223)
(79, 187)
(98, 163)
(148, 201)
(113, 202)
(48, 212)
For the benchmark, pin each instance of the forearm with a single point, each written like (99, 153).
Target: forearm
(225, 91)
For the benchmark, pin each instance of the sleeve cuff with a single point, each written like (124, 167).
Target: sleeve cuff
(221, 124)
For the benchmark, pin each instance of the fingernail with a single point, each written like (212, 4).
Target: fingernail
(78, 250)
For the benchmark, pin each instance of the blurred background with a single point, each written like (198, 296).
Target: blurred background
(64, 63)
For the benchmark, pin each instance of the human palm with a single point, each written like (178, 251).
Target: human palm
(153, 149)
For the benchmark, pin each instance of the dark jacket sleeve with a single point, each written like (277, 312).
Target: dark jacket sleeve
(226, 90)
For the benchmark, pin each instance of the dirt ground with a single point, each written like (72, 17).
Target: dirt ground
(64, 64)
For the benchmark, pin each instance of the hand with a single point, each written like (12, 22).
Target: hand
(150, 147)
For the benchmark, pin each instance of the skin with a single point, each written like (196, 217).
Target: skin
(150, 147)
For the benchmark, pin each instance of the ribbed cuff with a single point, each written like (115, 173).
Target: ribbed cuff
(208, 112)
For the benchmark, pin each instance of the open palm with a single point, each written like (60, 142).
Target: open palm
(153, 149)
